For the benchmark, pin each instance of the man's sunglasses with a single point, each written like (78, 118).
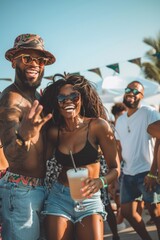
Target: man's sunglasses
(133, 90)
(74, 97)
(27, 59)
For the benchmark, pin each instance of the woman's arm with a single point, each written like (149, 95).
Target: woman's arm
(109, 148)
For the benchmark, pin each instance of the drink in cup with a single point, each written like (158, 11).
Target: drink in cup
(75, 178)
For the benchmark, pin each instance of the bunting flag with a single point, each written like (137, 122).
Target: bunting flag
(157, 55)
(96, 70)
(114, 67)
(76, 73)
(49, 77)
(136, 61)
(6, 79)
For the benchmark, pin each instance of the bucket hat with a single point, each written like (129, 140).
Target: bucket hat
(29, 41)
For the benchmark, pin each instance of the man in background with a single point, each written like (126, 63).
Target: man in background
(136, 149)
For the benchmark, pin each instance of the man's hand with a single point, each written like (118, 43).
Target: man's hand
(32, 122)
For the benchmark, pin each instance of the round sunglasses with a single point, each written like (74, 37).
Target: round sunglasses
(74, 97)
(28, 59)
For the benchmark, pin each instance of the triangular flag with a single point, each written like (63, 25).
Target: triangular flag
(136, 61)
(76, 73)
(157, 55)
(114, 67)
(6, 79)
(97, 71)
(49, 77)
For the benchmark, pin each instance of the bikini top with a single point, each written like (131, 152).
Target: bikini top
(87, 155)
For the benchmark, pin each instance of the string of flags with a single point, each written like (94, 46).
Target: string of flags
(115, 67)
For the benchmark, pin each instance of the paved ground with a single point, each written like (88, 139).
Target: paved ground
(129, 233)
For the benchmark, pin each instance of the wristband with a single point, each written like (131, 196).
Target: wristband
(151, 175)
(103, 182)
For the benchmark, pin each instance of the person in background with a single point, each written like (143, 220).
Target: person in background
(154, 130)
(136, 148)
(22, 190)
(79, 126)
(111, 218)
(117, 110)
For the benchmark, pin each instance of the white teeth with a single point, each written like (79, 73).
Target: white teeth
(32, 72)
(69, 110)
(69, 107)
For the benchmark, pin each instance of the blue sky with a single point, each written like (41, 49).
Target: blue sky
(82, 34)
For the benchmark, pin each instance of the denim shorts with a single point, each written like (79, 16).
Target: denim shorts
(20, 210)
(60, 203)
(133, 188)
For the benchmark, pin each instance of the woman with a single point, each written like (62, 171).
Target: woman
(79, 126)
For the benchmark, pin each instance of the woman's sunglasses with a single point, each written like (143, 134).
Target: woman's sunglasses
(27, 59)
(133, 90)
(74, 97)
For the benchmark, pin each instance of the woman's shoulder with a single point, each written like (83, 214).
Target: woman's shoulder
(98, 123)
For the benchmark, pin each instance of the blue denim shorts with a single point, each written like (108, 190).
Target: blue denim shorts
(133, 188)
(60, 203)
(21, 206)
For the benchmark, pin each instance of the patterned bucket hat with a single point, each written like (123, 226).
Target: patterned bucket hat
(29, 41)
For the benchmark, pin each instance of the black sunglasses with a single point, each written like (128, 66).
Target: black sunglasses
(74, 97)
(133, 90)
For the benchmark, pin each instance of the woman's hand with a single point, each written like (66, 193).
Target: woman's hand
(91, 186)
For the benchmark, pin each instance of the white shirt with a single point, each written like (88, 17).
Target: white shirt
(137, 145)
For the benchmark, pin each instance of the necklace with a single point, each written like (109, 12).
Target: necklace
(128, 128)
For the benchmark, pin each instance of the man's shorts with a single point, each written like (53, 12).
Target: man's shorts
(132, 187)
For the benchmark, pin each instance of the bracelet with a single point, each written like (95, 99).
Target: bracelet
(151, 175)
(103, 182)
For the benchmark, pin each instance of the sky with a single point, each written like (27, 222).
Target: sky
(82, 34)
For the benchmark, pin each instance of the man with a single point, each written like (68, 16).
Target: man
(22, 187)
(136, 149)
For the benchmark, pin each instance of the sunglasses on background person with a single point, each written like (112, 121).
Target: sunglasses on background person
(133, 90)
(27, 59)
(74, 97)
